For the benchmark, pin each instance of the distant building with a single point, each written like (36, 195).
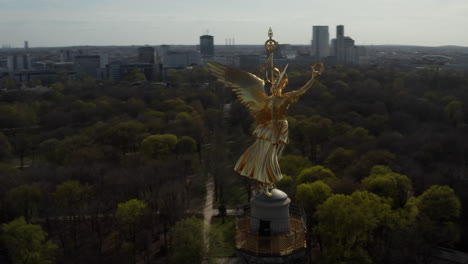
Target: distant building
(18, 62)
(350, 56)
(88, 65)
(103, 60)
(362, 55)
(26, 45)
(146, 54)
(175, 59)
(249, 61)
(340, 44)
(152, 72)
(207, 45)
(47, 76)
(320, 42)
(288, 52)
(66, 56)
(344, 50)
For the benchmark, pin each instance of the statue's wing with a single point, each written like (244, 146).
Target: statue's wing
(248, 87)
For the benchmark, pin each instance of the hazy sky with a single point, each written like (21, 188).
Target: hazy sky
(155, 22)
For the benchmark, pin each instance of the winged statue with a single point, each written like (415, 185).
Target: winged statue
(260, 160)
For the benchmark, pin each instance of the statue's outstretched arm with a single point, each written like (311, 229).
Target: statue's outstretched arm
(294, 96)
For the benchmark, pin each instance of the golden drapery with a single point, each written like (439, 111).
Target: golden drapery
(260, 160)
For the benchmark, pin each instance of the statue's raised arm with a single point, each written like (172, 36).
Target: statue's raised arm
(295, 95)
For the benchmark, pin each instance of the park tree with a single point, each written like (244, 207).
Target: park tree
(386, 183)
(135, 76)
(315, 173)
(439, 204)
(5, 147)
(71, 198)
(439, 209)
(27, 243)
(358, 137)
(159, 146)
(188, 242)
(340, 159)
(7, 83)
(316, 130)
(454, 112)
(186, 145)
(25, 199)
(22, 144)
(83, 111)
(124, 135)
(293, 164)
(311, 195)
(153, 120)
(346, 225)
(366, 162)
(129, 215)
(287, 184)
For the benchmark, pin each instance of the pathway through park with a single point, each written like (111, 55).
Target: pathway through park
(208, 210)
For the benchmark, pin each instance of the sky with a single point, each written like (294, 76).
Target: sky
(52, 23)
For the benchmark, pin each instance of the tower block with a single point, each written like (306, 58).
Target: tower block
(271, 230)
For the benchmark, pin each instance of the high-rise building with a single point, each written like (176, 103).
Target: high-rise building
(86, 65)
(146, 54)
(340, 44)
(26, 45)
(320, 42)
(350, 55)
(207, 45)
(66, 56)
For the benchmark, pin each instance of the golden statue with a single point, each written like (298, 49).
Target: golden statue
(260, 160)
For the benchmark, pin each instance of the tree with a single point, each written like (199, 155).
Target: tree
(129, 214)
(439, 210)
(71, 196)
(315, 130)
(315, 173)
(159, 146)
(5, 147)
(186, 145)
(311, 195)
(454, 112)
(26, 198)
(187, 242)
(287, 184)
(293, 164)
(384, 182)
(439, 204)
(346, 224)
(136, 76)
(339, 159)
(7, 83)
(27, 244)
(362, 168)
(124, 135)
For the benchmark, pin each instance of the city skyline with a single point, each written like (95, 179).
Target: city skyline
(68, 23)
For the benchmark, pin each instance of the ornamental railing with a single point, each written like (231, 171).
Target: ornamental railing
(277, 245)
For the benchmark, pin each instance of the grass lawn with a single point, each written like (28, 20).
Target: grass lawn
(227, 233)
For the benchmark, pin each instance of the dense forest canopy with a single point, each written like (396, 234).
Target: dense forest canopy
(99, 172)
